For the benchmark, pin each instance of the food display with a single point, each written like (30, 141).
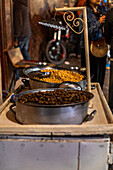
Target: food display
(41, 77)
(56, 97)
(58, 76)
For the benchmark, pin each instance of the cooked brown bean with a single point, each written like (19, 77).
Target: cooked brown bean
(57, 97)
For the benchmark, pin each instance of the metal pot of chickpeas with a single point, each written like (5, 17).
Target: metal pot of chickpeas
(52, 77)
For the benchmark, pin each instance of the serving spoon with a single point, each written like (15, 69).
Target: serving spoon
(43, 74)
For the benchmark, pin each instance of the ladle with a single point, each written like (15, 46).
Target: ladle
(43, 74)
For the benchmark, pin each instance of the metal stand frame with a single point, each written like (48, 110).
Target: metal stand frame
(85, 39)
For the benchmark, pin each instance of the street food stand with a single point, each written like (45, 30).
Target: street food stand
(70, 147)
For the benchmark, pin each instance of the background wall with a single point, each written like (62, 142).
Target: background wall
(41, 10)
(37, 6)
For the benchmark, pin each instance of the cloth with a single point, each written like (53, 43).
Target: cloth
(21, 20)
(94, 27)
(24, 47)
(109, 30)
(22, 29)
(95, 31)
(109, 40)
(97, 67)
(103, 9)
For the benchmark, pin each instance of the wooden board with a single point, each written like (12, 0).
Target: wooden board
(15, 55)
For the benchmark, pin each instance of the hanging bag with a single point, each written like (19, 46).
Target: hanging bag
(99, 48)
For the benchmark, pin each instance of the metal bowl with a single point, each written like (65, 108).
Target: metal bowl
(31, 72)
(32, 113)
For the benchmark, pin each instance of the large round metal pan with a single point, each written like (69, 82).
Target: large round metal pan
(31, 72)
(31, 113)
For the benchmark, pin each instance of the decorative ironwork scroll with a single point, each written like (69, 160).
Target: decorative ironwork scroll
(74, 22)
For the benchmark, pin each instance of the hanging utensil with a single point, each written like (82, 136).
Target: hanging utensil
(52, 24)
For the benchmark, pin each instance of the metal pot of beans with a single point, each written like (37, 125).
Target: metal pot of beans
(51, 77)
(52, 106)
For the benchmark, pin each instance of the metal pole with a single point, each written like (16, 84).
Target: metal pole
(69, 9)
(85, 39)
(87, 49)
